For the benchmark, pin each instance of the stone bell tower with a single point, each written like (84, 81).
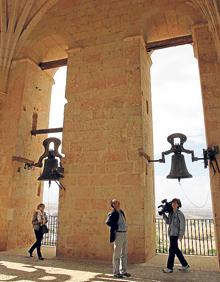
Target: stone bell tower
(107, 46)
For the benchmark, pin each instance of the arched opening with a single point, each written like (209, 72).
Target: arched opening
(177, 108)
(51, 193)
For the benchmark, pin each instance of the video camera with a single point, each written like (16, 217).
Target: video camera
(166, 207)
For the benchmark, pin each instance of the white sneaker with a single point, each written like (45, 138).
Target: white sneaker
(167, 270)
(184, 268)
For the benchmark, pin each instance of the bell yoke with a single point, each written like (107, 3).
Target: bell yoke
(178, 166)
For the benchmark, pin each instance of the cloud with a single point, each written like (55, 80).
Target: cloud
(176, 96)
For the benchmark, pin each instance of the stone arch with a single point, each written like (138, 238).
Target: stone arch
(17, 20)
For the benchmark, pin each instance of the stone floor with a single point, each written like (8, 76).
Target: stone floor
(17, 266)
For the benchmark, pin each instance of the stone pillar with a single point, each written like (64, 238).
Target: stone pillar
(29, 90)
(4, 193)
(209, 68)
(107, 118)
(3, 79)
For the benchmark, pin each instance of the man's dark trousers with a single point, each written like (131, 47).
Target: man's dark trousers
(174, 250)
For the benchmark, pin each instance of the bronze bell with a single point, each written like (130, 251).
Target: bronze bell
(51, 169)
(178, 167)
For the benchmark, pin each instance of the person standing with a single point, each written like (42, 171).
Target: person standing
(176, 230)
(118, 236)
(39, 219)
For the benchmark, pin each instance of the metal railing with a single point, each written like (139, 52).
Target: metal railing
(50, 239)
(199, 238)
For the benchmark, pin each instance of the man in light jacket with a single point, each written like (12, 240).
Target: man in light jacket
(176, 230)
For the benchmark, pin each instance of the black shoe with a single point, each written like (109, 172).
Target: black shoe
(119, 275)
(126, 274)
(41, 258)
(30, 254)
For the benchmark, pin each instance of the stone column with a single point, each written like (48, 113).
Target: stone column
(107, 118)
(29, 90)
(4, 193)
(209, 67)
(3, 79)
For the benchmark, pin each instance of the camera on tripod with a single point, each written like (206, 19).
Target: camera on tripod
(166, 207)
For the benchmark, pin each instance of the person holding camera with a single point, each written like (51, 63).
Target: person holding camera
(118, 236)
(176, 230)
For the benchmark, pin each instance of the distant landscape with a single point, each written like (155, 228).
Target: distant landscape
(195, 213)
(198, 213)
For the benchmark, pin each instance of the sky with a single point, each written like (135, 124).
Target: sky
(58, 102)
(177, 108)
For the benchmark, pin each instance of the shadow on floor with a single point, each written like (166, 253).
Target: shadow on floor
(19, 267)
(10, 271)
(104, 277)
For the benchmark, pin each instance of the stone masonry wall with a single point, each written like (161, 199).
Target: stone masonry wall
(103, 129)
(147, 127)
(29, 91)
(209, 68)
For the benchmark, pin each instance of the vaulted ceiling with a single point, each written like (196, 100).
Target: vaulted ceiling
(44, 29)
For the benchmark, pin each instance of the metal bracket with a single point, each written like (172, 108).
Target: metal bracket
(28, 164)
(209, 154)
(46, 130)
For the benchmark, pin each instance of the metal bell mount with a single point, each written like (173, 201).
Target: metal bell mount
(51, 171)
(178, 166)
